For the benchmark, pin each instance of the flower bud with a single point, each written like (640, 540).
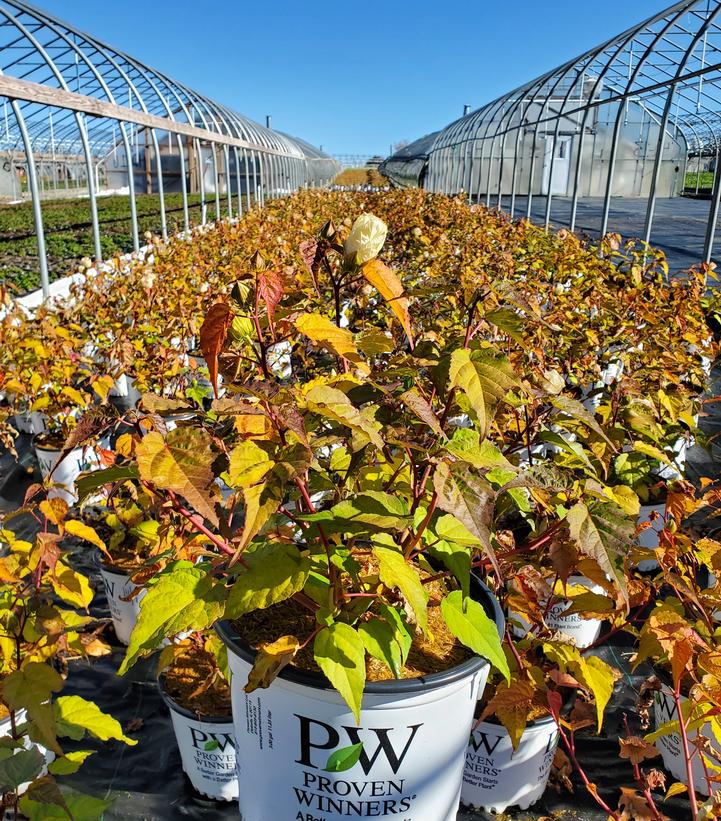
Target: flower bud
(366, 239)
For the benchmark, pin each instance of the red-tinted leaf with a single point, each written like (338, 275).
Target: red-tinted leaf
(270, 290)
(212, 337)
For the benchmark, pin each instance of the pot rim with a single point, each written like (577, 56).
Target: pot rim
(172, 704)
(317, 681)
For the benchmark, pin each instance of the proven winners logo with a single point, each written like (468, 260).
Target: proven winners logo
(384, 750)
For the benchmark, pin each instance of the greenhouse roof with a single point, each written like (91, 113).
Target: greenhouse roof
(55, 75)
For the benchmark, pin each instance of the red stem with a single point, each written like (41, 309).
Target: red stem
(686, 754)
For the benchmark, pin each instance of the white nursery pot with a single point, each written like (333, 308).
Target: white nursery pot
(583, 631)
(32, 422)
(124, 388)
(207, 750)
(495, 777)
(414, 732)
(670, 746)
(279, 361)
(118, 586)
(649, 538)
(79, 460)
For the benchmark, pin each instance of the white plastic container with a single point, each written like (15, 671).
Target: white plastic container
(124, 388)
(78, 461)
(118, 588)
(582, 631)
(495, 777)
(207, 750)
(671, 748)
(649, 538)
(414, 734)
(32, 422)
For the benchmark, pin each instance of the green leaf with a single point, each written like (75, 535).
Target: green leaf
(249, 463)
(181, 463)
(604, 534)
(88, 483)
(401, 631)
(186, 598)
(209, 746)
(340, 654)
(395, 572)
(368, 512)
(333, 404)
(74, 716)
(509, 321)
(45, 791)
(469, 498)
(457, 558)
(275, 572)
(577, 410)
(70, 762)
(82, 808)
(19, 767)
(379, 639)
(261, 502)
(31, 688)
(466, 445)
(485, 381)
(343, 759)
(468, 622)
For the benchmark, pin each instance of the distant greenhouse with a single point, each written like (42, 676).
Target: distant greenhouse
(82, 118)
(621, 120)
(407, 167)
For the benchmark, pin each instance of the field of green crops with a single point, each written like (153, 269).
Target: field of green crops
(68, 232)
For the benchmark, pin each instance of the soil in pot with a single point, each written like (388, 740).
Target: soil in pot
(414, 731)
(199, 702)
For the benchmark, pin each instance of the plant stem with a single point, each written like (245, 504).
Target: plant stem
(642, 785)
(686, 754)
(197, 522)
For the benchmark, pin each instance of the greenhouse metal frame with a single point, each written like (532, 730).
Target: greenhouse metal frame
(69, 102)
(650, 97)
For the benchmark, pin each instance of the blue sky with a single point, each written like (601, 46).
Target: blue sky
(354, 77)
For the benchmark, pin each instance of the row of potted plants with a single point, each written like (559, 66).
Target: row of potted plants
(429, 452)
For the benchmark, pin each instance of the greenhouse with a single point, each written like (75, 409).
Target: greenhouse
(334, 496)
(76, 111)
(625, 120)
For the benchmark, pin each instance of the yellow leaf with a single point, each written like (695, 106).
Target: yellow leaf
(270, 660)
(102, 386)
(248, 465)
(55, 510)
(73, 395)
(83, 531)
(320, 330)
(380, 276)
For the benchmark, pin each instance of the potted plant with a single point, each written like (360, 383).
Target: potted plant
(514, 739)
(194, 682)
(341, 627)
(45, 626)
